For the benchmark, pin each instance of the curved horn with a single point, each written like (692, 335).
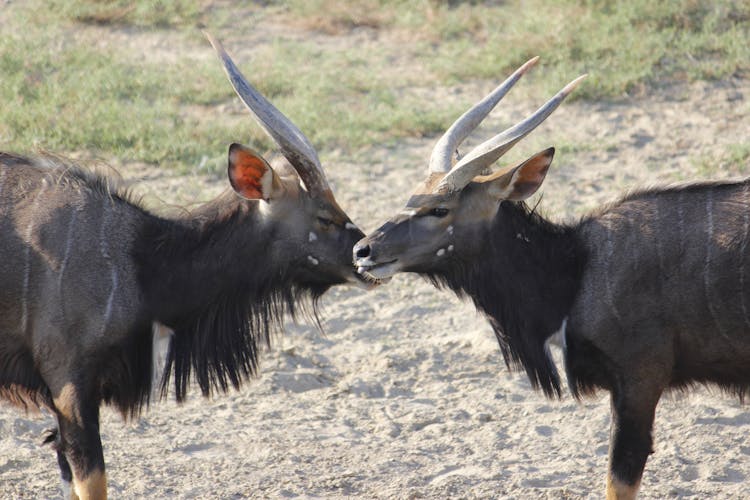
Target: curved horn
(442, 153)
(491, 150)
(290, 140)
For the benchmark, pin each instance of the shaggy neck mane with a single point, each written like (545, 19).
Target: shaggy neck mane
(524, 278)
(213, 280)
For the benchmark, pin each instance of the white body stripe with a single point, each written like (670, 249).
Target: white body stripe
(681, 221)
(707, 265)
(743, 252)
(66, 254)
(3, 173)
(657, 240)
(610, 298)
(27, 259)
(104, 248)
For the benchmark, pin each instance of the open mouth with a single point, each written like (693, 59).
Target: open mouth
(368, 282)
(378, 271)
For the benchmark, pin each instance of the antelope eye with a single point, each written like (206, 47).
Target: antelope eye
(439, 212)
(325, 222)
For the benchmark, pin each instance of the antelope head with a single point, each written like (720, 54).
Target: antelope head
(310, 230)
(447, 213)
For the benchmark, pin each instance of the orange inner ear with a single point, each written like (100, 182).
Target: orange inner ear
(530, 174)
(530, 177)
(534, 170)
(246, 172)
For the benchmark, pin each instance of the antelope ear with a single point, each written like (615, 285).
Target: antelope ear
(251, 176)
(521, 181)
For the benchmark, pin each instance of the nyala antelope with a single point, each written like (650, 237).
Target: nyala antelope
(649, 293)
(87, 275)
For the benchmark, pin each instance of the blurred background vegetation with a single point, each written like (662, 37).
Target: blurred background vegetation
(136, 81)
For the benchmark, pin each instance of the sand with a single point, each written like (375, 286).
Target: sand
(405, 394)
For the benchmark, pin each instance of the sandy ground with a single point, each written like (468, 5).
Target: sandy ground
(406, 395)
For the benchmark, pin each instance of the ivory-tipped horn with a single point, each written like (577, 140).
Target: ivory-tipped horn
(443, 152)
(291, 141)
(491, 150)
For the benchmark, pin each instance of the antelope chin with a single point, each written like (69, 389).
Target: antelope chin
(383, 271)
(367, 282)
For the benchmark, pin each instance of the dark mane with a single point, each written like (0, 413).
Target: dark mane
(99, 177)
(646, 193)
(524, 279)
(217, 343)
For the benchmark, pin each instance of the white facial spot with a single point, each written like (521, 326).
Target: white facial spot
(266, 183)
(410, 213)
(264, 208)
(450, 229)
(313, 260)
(450, 248)
(441, 252)
(312, 237)
(349, 225)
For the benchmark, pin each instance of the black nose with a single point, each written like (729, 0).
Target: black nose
(361, 251)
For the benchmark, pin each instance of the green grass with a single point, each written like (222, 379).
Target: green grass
(735, 161)
(62, 92)
(76, 98)
(342, 109)
(154, 13)
(626, 47)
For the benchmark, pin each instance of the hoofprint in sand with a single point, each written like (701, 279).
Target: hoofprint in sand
(406, 395)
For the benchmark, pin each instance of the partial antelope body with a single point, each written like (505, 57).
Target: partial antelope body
(86, 274)
(651, 292)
